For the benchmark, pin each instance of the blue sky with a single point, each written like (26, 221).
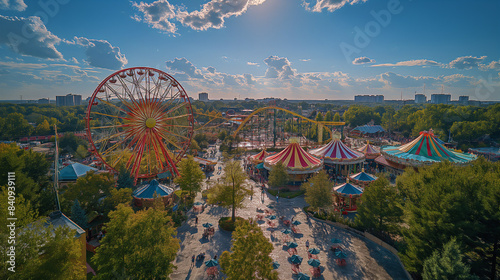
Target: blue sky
(295, 49)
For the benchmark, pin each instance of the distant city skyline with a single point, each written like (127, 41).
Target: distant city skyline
(294, 49)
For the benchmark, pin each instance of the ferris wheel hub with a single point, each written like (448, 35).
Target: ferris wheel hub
(150, 123)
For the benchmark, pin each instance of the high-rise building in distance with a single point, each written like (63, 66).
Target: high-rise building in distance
(69, 100)
(369, 98)
(420, 98)
(440, 98)
(203, 96)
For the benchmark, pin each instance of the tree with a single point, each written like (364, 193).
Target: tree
(69, 142)
(117, 197)
(318, 190)
(137, 245)
(278, 177)
(78, 215)
(232, 190)
(250, 256)
(447, 264)
(89, 190)
(329, 116)
(190, 175)
(379, 208)
(222, 135)
(124, 179)
(43, 128)
(81, 152)
(336, 117)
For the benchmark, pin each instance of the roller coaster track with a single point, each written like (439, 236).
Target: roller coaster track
(322, 124)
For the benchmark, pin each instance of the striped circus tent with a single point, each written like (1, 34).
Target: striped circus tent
(369, 151)
(337, 152)
(295, 159)
(424, 150)
(258, 158)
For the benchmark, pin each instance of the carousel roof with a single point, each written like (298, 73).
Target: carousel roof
(258, 158)
(369, 151)
(348, 189)
(363, 177)
(424, 150)
(295, 159)
(147, 191)
(338, 153)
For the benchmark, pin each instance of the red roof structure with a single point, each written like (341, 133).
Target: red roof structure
(295, 159)
(258, 158)
(369, 151)
(337, 152)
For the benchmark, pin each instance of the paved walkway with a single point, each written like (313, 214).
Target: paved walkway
(365, 260)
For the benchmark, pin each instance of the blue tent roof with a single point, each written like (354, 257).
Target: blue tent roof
(362, 176)
(74, 171)
(348, 189)
(369, 129)
(148, 191)
(260, 165)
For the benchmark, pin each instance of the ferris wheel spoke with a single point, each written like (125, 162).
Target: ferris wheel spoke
(109, 126)
(125, 88)
(168, 140)
(180, 105)
(110, 137)
(167, 157)
(166, 92)
(112, 105)
(111, 116)
(122, 100)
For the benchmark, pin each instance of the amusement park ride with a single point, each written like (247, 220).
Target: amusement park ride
(141, 118)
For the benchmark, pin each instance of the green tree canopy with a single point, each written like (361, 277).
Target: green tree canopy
(318, 190)
(250, 254)
(336, 117)
(190, 175)
(137, 245)
(278, 177)
(124, 179)
(233, 188)
(78, 215)
(89, 190)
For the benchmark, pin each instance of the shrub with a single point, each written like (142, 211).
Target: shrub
(225, 223)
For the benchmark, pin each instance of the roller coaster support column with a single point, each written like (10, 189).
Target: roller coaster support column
(274, 129)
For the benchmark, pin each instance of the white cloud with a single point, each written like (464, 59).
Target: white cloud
(305, 59)
(74, 60)
(363, 60)
(157, 14)
(278, 67)
(467, 62)
(253, 63)
(16, 5)
(100, 53)
(161, 14)
(29, 36)
(494, 65)
(416, 62)
(185, 66)
(400, 81)
(249, 79)
(330, 5)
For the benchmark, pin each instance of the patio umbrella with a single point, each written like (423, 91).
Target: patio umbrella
(340, 255)
(286, 231)
(276, 265)
(314, 262)
(270, 206)
(292, 245)
(335, 240)
(296, 259)
(207, 225)
(272, 217)
(296, 223)
(314, 251)
(303, 276)
(211, 263)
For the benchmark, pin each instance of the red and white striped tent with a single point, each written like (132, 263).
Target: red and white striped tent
(369, 151)
(258, 158)
(295, 159)
(337, 152)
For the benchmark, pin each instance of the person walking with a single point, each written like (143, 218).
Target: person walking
(192, 261)
(196, 220)
(307, 244)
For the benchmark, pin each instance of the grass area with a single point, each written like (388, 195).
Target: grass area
(285, 194)
(225, 223)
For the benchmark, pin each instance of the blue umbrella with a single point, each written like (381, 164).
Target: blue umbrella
(340, 255)
(303, 276)
(276, 265)
(296, 259)
(314, 251)
(335, 240)
(272, 217)
(286, 231)
(296, 223)
(211, 263)
(314, 262)
(292, 245)
(207, 225)
(270, 206)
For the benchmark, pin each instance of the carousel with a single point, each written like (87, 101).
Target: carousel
(422, 151)
(345, 196)
(362, 178)
(255, 165)
(258, 158)
(299, 164)
(144, 195)
(369, 151)
(339, 157)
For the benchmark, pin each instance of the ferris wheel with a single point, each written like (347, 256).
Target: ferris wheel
(140, 118)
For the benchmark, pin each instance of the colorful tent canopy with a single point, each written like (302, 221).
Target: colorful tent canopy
(74, 171)
(258, 158)
(369, 151)
(363, 178)
(424, 150)
(147, 191)
(295, 159)
(337, 152)
(347, 189)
